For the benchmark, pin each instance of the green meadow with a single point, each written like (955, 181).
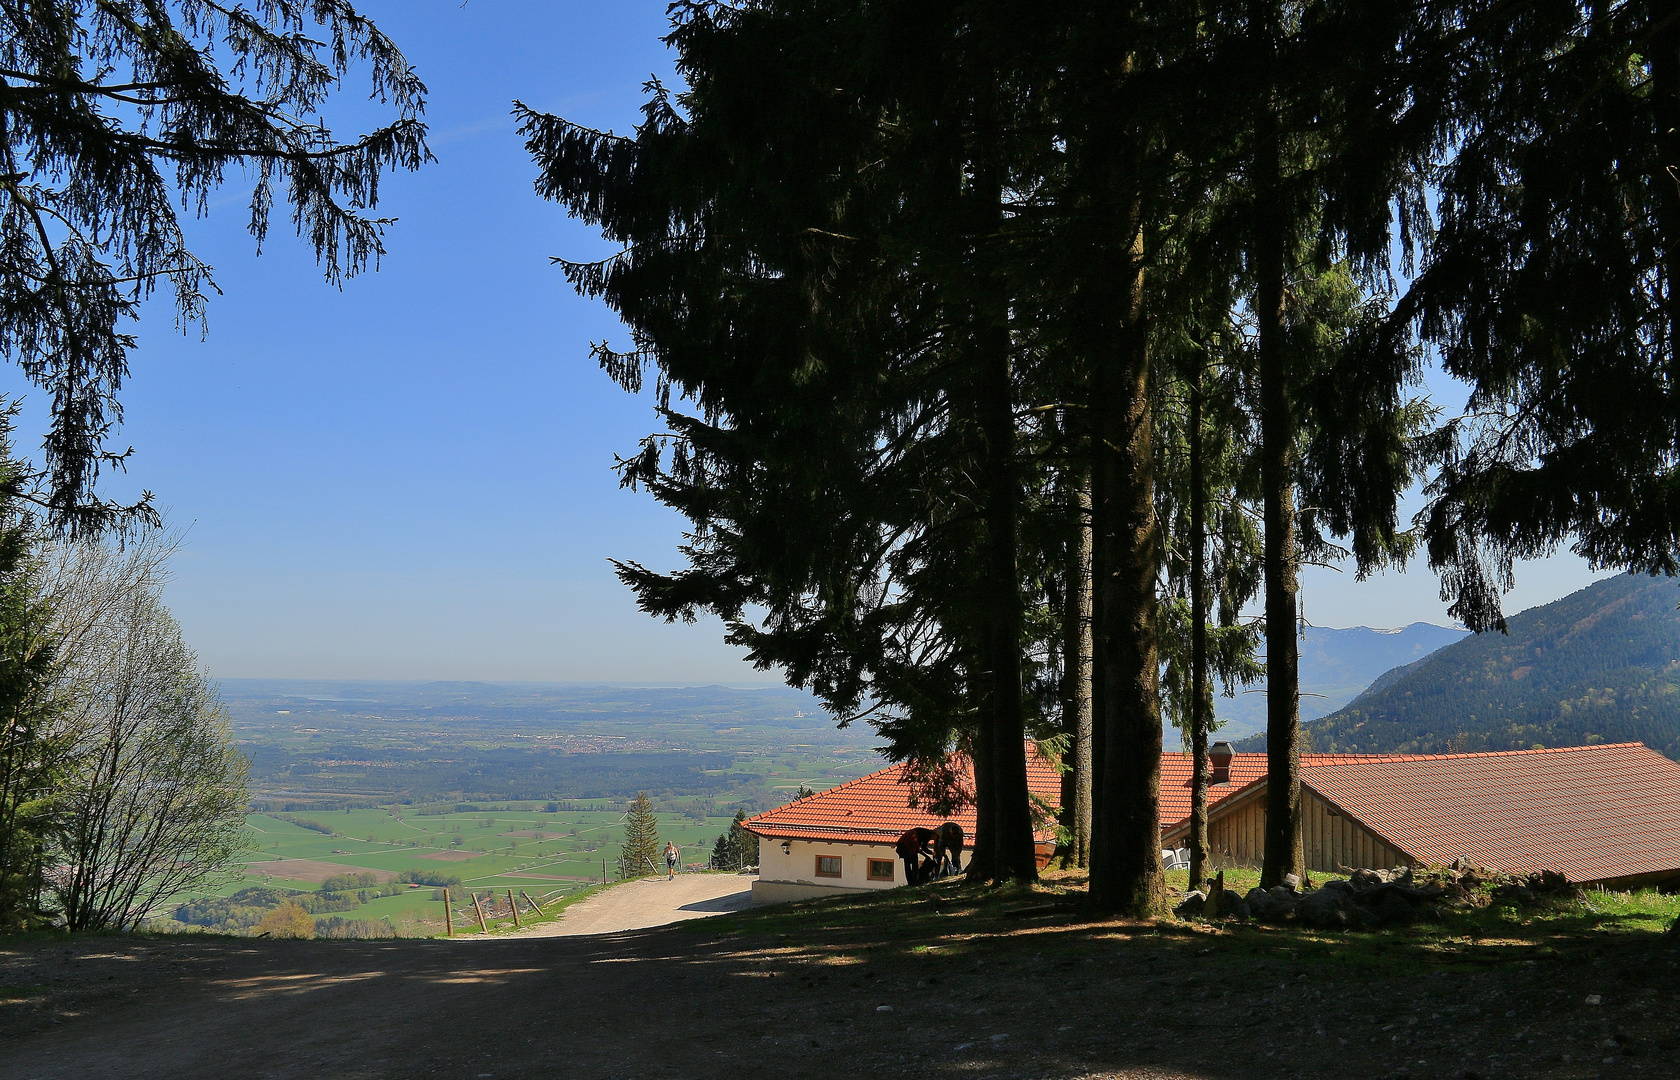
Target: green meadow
(489, 788)
(522, 847)
(506, 846)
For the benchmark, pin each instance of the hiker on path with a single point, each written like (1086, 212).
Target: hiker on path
(670, 861)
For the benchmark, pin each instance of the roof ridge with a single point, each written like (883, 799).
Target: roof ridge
(1334, 757)
(1482, 753)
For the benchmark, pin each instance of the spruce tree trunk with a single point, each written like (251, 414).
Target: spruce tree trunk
(1126, 873)
(1012, 810)
(1283, 854)
(1076, 672)
(1099, 696)
(1201, 700)
(982, 858)
(1665, 103)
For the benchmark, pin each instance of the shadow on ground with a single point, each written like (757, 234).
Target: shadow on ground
(947, 982)
(733, 902)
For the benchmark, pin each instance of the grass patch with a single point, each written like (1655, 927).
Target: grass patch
(552, 909)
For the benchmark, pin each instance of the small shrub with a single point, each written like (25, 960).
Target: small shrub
(287, 921)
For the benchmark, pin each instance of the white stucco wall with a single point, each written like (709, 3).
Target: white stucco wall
(799, 865)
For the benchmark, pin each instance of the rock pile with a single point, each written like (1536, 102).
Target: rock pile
(1533, 889)
(1372, 898)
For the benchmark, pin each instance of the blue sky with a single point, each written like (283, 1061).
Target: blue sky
(411, 478)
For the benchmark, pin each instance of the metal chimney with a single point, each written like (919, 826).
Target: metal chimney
(1220, 756)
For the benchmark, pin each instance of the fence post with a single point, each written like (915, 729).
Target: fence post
(534, 905)
(515, 908)
(448, 922)
(483, 926)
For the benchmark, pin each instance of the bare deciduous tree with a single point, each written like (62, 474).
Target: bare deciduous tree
(156, 796)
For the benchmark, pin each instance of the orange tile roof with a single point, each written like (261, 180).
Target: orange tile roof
(875, 809)
(1176, 775)
(1246, 771)
(1588, 812)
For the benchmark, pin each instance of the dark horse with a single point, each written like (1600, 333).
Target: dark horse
(947, 849)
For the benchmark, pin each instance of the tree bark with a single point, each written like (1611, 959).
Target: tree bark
(1099, 694)
(1283, 854)
(1665, 104)
(982, 858)
(1015, 854)
(1201, 700)
(1076, 672)
(1126, 873)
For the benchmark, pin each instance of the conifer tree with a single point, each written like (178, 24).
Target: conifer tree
(1550, 287)
(35, 754)
(737, 847)
(1319, 144)
(640, 852)
(851, 466)
(1214, 555)
(1099, 220)
(111, 113)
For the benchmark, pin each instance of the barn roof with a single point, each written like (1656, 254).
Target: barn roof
(875, 809)
(1247, 770)
(1589, 812)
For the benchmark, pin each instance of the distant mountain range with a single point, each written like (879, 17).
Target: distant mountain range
(1336, 665)
(1599, 665)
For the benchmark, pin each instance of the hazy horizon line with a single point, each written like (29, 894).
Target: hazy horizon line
(661, 684)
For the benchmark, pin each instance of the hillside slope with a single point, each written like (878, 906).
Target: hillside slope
(1600, 665)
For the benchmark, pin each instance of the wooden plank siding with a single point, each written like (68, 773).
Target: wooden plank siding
(1331, 841)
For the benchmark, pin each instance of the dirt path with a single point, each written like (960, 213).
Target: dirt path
(638, 905)
(925, 991)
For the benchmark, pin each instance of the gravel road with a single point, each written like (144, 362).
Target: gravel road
(638, 905)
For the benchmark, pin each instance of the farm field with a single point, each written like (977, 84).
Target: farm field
(482, 848)
(544, 853)
(387, 791)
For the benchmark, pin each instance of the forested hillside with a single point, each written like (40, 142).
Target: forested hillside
(1600, 665)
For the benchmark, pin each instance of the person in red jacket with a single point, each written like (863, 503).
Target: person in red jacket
(912, 846)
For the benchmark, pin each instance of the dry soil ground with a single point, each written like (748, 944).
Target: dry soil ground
(638, 905)
(312, 870)
(931, 983)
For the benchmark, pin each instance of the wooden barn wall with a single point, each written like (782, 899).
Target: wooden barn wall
(1330, 841)
(1238, 837)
